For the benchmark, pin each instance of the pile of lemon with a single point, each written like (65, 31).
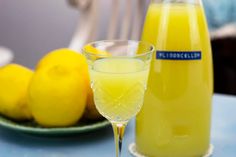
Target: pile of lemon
(56, 94)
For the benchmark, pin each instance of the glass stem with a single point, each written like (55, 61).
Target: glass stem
(119, 130)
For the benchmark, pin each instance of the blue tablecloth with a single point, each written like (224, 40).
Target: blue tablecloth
(100, 143)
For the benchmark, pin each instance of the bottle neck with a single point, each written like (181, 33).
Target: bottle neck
(178, 1)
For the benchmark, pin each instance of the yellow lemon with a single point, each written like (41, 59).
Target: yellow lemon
(59, 89)
(93, 50)
(77, 62)
(14, 81)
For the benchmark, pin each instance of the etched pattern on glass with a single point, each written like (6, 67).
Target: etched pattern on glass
(120, 108)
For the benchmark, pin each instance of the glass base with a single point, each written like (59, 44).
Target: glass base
(133, 151)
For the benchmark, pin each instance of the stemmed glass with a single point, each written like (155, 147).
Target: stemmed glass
(119, 73)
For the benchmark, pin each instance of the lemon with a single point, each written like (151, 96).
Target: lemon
(77, 62)
(14, 80)
(64, 56)
(59, 88)
(92, 50)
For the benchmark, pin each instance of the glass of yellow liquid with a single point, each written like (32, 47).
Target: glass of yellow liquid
(119, 73)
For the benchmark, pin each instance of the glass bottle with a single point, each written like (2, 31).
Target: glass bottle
(175, 120)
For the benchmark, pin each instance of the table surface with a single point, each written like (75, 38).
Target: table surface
(100, 143)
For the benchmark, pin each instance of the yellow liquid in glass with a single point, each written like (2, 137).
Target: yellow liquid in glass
(176, 115)
(119, 85)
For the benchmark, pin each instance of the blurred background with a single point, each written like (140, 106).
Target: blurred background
(33, 28)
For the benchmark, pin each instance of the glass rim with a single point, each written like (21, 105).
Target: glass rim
(147, 52)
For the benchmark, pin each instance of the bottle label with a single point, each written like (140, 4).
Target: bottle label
(179, 55)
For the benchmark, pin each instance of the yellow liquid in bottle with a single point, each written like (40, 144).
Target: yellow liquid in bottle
(119, 85)
(176, 115)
